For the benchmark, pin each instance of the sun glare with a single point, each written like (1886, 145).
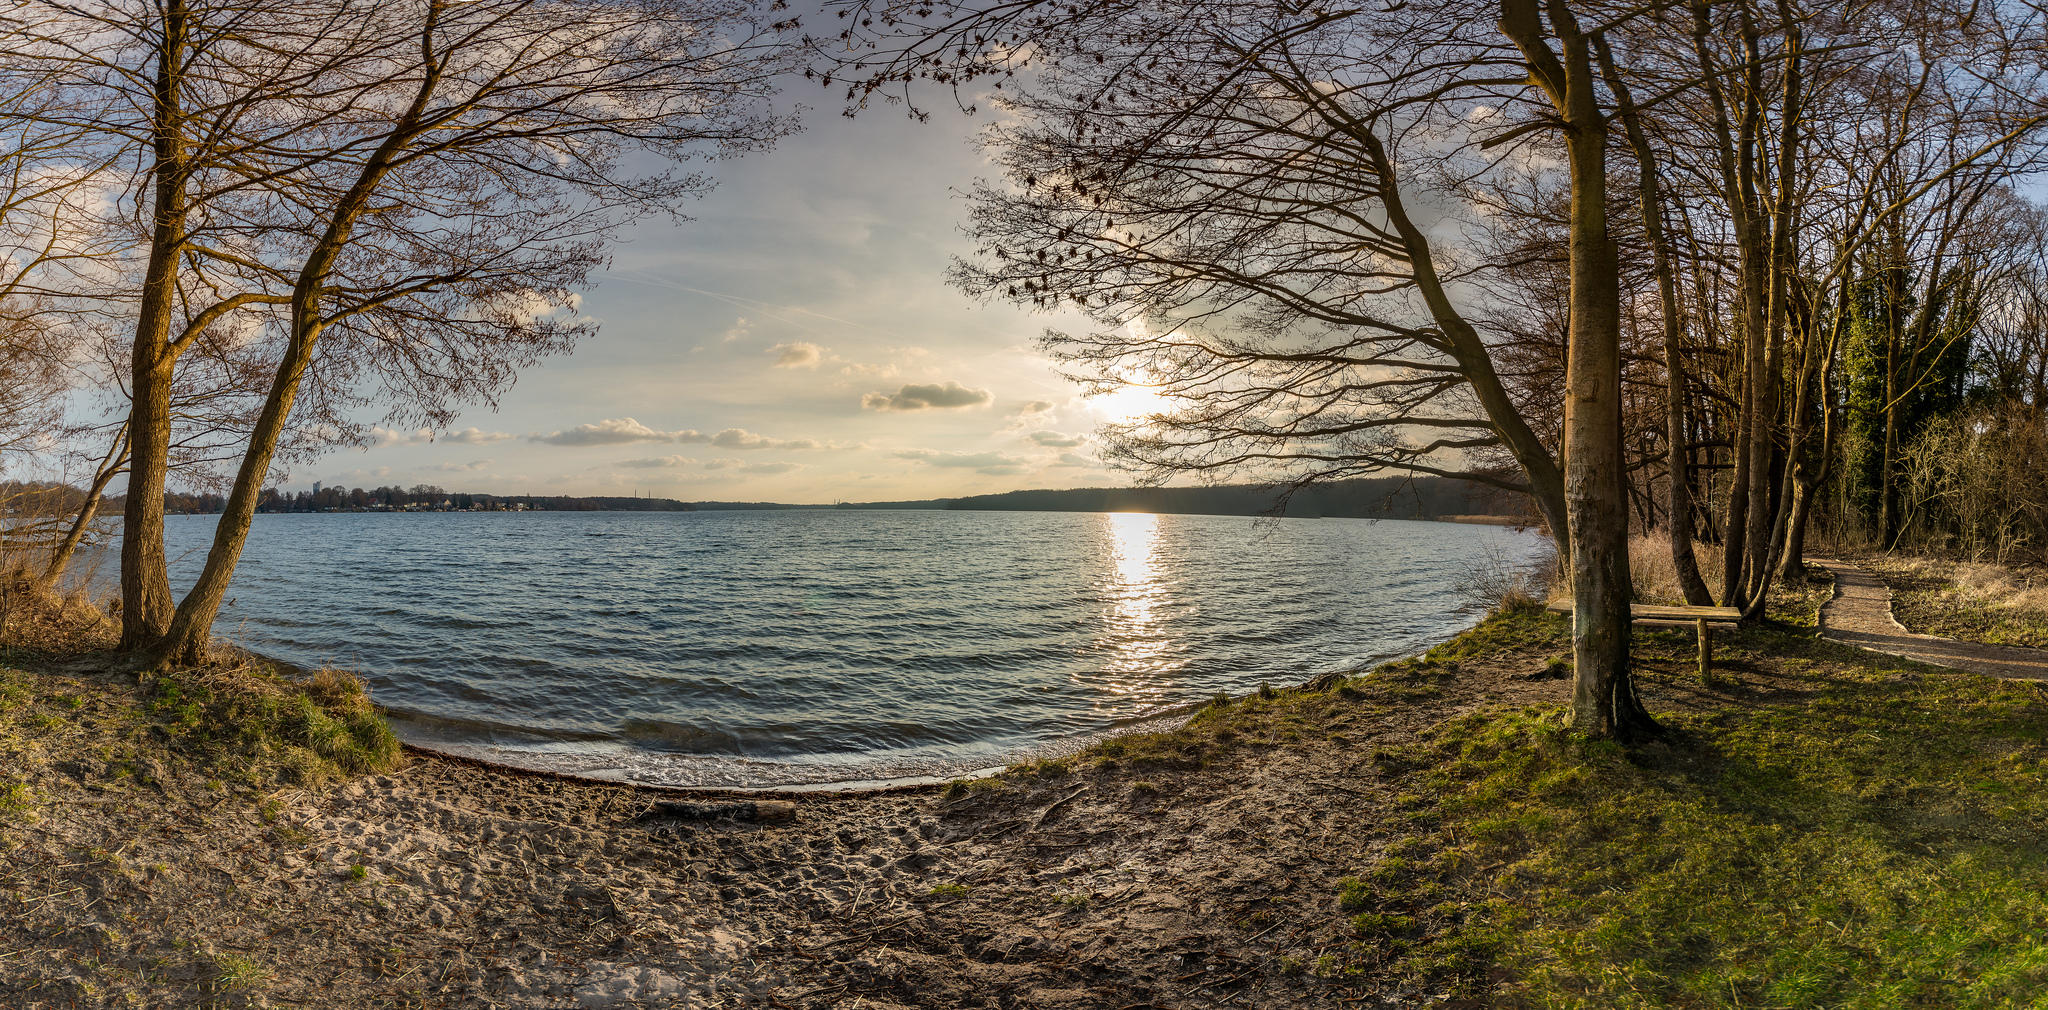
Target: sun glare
(1130, 402)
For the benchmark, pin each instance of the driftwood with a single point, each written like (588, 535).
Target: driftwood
(749, 810)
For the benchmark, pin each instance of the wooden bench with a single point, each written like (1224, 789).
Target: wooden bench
(1702, 619)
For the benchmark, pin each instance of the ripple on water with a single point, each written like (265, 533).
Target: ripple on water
(720, 648)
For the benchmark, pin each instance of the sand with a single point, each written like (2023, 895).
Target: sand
(1201, 883)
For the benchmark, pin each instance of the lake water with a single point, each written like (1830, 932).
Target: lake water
(777, 648)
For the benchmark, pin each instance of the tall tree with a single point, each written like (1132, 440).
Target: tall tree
(1243, 181)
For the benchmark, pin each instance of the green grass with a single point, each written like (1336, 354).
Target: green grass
(17, 800)
(1864, 833)
(233, 972)
(273, 727)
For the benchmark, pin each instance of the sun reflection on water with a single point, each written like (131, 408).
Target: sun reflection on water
(1137, 650)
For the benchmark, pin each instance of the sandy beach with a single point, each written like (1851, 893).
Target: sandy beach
(1188, 869)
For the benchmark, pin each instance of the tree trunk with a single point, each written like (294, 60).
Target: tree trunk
(191, 628)
(145, 578)
(1546, 481)
(1604, 702)
(1767, 496)
(115, 463)
(1678, 496)
(1794, 564)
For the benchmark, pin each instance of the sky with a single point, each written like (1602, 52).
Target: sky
(796, 341)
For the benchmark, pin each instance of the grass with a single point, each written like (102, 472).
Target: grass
(256, 718)
(250, 720)
(233, 972)
(1844, 830)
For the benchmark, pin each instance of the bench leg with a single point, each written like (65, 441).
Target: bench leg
(1706, 649)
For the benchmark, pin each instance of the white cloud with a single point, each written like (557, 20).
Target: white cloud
(475, 436)
(797, 354)
(381, 437)
(929, 396)
(741, 438)
(657, 462)
(611, 431)
(770, 467)
(1033, 407)
(470, 467)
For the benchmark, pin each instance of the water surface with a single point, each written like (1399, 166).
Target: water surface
(788, 647)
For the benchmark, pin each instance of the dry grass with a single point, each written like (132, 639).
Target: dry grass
(1972, 601)
(1656, 577)
(37, 621)
(1499, 584)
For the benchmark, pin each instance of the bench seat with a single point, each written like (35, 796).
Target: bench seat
(1702, 620)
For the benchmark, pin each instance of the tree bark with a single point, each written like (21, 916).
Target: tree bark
(1604, 701)
(1767, 496)
(190, 631)
(1546, 481)
(191, 628)
(145, 579)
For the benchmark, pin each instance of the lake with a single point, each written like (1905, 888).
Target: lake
(793, 647)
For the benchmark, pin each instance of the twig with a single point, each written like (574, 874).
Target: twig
(1046, 815)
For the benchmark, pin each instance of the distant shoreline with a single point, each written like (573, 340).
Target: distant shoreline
(1463, 520)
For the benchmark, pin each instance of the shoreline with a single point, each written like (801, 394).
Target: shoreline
(560, 889)
(1428, 832)
(1167, 721)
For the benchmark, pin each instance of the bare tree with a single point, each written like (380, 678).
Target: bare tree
(435, 242)
(1242, 184)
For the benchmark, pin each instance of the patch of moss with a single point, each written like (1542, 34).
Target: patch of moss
(17, 800)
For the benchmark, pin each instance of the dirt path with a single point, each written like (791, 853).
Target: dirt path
(1861, 615)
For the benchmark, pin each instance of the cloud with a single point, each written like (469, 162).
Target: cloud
(981, 462)
(612, 431)
(928, 396)
(1076, 459)
(469, 467)
(381, 437)
(475, 436)
(771, 467)
(1033, 407)
(799, 354)
(1055, 440)
(657, 462)
(741, 438)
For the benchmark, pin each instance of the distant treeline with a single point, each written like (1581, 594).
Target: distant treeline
(50, 498)
(1377, 497)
